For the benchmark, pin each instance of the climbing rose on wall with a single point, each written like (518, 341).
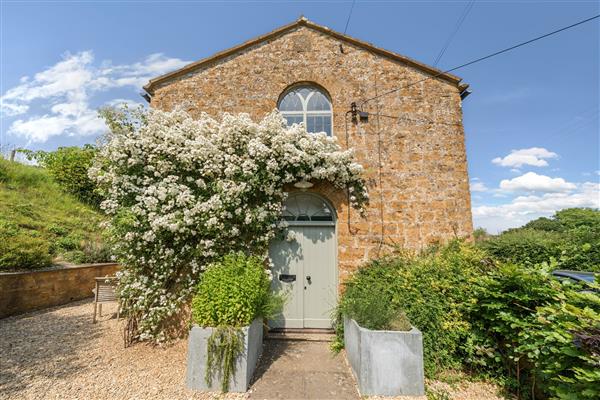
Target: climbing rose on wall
(182, 192)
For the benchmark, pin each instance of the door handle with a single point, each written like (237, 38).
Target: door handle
(308, 278)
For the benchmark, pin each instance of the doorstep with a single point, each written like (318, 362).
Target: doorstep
(314, 335)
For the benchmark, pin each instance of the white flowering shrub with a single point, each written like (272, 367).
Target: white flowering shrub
(184, 192)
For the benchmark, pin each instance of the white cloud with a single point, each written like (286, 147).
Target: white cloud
(9, 109)
(67, 78)
(525, 208)
(67, 90)
(535, 156)
(41, 128)
(532, 182)
(478, 187)
(129, 103)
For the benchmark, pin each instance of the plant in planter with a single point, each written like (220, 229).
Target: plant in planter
(385, 351)
(385, 362)
(226, 340)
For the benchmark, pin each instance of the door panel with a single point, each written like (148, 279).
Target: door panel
(312, 253)
(319, 263)
(287, 259)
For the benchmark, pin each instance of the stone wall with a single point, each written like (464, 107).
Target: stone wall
(415, 162)
(22, 292)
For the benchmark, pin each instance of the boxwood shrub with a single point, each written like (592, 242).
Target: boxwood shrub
(233, 292)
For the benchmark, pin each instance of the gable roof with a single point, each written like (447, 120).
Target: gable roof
(302, 21)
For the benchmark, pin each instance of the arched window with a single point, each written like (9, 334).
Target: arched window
(308, 105)
(307, 207)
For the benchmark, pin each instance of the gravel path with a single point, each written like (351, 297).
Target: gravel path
(59, 354)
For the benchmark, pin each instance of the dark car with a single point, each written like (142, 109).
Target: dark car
(582, 277)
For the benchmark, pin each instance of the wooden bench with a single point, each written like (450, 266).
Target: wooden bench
(105, 293)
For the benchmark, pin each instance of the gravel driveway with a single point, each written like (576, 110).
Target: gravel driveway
(58, 353)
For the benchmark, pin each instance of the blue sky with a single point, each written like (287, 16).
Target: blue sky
(532, 130)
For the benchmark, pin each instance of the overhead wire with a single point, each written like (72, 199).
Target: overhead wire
(496, 53)
(457, 26)
(349, 16)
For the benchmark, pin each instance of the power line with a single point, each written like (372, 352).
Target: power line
(482, 58)
(459, 23)
(349, 16)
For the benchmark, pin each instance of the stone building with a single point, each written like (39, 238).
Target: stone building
(410, 140)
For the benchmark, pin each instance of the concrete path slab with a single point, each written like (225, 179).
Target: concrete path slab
(291, 369)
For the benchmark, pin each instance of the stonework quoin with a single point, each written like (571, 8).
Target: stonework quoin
(412, 147)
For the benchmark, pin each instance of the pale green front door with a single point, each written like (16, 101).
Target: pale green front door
(304, 266)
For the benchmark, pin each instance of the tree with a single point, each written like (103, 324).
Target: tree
(69, 167)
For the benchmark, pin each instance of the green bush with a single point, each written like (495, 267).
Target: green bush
(531, 331)
(233, 292)
(23, 251)
(68, 243)
(567, 336)
(368, 297)
(525, 246)
(502, 314)
(95, 250)
(571, 218)
(504, 317)
(69, 167)
(580, 249)
(430, 288)
(571, 237)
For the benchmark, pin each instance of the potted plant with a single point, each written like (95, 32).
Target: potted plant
(385, 362)
(383, 349)
(225, 341)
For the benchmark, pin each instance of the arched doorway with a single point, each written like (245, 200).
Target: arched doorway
(305, 263)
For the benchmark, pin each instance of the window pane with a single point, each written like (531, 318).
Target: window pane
(318, 102)
(321, 218)
(318, 123)
(293, 119)
(291, 102)
(311, 124)
(327, 125)
(304, 92)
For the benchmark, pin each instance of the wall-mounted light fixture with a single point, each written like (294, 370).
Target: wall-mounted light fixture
(303, 185)
(357, 115)
(363, 116)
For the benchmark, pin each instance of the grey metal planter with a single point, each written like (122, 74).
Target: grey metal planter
(385, 363)
(246, 364)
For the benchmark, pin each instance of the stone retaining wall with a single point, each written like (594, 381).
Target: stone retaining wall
(21, 292)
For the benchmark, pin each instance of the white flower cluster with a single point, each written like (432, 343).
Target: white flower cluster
(182, 192)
